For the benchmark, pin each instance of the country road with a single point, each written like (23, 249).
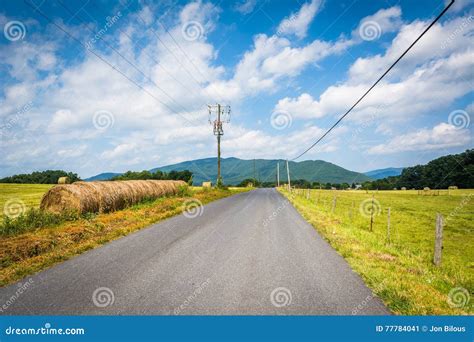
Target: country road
(251, 253)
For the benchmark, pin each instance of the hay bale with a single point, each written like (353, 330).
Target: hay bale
(105, 196)
(207, 184)
(64, 180)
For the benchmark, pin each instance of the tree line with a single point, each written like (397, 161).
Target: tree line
(184, 175)
(441, 173)
(41, 177)
(52, 176)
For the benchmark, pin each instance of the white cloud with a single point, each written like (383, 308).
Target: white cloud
(441, 136)
(383, 21)
(459, 5)
(273, 58)
(298, 23)
(435, 78)
(63, 120)
(303, 107)
(246, 6)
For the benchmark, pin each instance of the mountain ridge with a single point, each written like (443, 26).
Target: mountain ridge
(384, 173)
(235, 170)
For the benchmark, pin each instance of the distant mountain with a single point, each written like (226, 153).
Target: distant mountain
(235, 170)
(102, 176)
(383, 173)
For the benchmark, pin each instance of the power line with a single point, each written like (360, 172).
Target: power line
(376, 82)
(129, 62)
(148, 54)
(36, 9)
(189, 59)
(170, 51)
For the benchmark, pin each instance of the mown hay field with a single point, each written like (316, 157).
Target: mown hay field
(400, 271)
(28, 195)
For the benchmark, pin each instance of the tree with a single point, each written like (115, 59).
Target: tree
(41, 177)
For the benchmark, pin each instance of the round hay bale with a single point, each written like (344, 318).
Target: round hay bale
(64, 180)
(105, 196)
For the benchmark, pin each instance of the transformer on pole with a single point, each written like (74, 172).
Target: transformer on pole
(221, 115)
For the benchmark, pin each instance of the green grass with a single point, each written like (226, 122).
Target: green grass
(400, 271)
(14, 197)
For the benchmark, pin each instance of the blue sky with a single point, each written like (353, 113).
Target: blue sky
(95, 86)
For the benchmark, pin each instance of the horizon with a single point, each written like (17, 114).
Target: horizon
(193, 160)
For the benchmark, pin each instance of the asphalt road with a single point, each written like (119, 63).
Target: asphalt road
(251, 253)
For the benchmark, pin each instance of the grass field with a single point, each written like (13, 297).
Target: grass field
(20, 197)
(36, 249)
(400, 271)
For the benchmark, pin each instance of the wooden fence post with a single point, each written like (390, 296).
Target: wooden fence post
(333, 204)
(388, 226)
(372, 215)
(438, 239)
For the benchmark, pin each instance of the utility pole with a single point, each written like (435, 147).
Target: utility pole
(254, 171)
(278, 174)
(288, 172)
(222, 116)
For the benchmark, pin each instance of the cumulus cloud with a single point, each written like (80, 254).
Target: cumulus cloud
(246, 6)
(298, 23)
(383, 21)
(441, 136)
(435, 78)
(304, 107)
